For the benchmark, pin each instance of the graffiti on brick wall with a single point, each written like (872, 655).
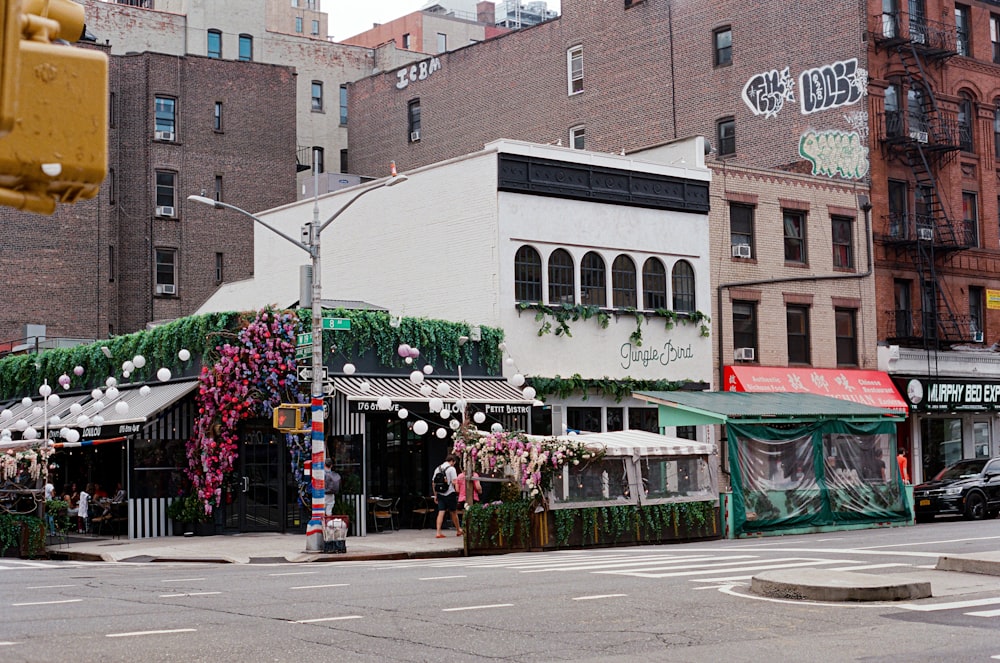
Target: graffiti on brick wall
(858, 121)
(835, 153)
(416, 72)
(767, 93)
(832, 86)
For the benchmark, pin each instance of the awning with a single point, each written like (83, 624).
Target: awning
(402, 390)
(37, 421)
(873, 388)
(642, 443)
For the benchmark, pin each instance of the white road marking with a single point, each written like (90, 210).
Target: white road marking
(50, 586)
(598, 596)
(173, 596)
(325, 619)
(731, 584)
(182, 580)
(343, 584)
(657, 563)
(48, 602)
(985, 613)
(7, 644)
(297, 573)
(932, 607)
(479, 607)
(442, 577)
(132, 633)
(763, 565)
(866, 567)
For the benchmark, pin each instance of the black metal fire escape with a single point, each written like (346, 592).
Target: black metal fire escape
(924, 138)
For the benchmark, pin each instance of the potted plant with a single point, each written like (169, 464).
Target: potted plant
(190, 512)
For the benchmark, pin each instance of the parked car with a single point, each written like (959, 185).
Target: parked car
(970, 488)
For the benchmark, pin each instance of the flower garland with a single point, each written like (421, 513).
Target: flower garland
(249, 378)
(534, 460)
(33, 461)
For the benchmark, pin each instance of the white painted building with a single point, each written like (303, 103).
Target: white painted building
(470, 238)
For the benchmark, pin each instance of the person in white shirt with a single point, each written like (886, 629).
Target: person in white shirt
(447, 501)
(83, 511)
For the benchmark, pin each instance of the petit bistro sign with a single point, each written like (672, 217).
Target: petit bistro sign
(951, 395)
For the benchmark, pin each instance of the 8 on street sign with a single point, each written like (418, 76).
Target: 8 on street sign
(338, 324)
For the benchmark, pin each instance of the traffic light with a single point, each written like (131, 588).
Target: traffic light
(53, 107)
(288, 417)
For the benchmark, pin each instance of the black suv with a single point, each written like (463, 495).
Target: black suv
(970, 487)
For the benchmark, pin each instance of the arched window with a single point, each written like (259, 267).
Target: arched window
(527, 275)
(593, 280)
(561, 284)
(683, 287)
(654, 285)
(965, 122)
(623, 282)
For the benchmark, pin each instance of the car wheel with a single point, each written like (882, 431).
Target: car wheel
(975, 507)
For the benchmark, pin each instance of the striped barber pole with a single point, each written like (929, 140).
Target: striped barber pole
(315, 526)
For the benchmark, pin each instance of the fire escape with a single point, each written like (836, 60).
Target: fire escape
(918, 134)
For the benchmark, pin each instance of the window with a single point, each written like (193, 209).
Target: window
(846, 327)
(413, 120)
(218, 267)
(897, 209)
(614, 419)
(797, 323)
(976, 305)
(593, 281)
(923, 197)
(577, 138)
(112, 187)
(843, 241)
(654, 285)
(725, 136)
(527, 275)
(795, 236)
(562, 286)
(894, 118)
(218, 188)
(995, 36)
(111, 264)
(962, 45)
(683, 287)
(315, 27)
(442, 42)
(723, 39)
(574, 69)
(164, 115)
(996, 128)
(318, 163)
(916, 111)
(317, 96)
(214, 44)
(745, 325)
(623, 292)
(904, 308)
(343, 161)
(584, 419)
(970, 218)
(406, 41)
(343, 104)
(298, 25)
(166, 271)
(246, 48)
(741, 228)
(165, 188)
(890, 18)
(217, 116)
(965, 121)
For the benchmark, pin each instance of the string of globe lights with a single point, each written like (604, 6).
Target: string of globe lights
(439, 395)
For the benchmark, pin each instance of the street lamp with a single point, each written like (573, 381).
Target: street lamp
(314, 530)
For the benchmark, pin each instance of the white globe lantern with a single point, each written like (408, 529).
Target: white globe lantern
(384, 402)
(128, 366)
(63, 433)
(83, 420)
(53, 400)
(110, 382)
(121, 407)
(496, 428)
(139, 361)
(72, 435)
(365, 387)
(443, 388)
(416, 377)
(21, 424)
(408, 360)
(5, 415)
(403, 413)
(126, 374)
(529, 393)
(145, 390)
(184, 354)
(30, 433)
(54, 420)
(45, 390)
(98, 406)
(441, 433)
(97, 394)
(426, 389)
(445, 413)
(37, 411)
(420, 427)
(435, 404)
(98, 420)
(460, 406)
(75, 409)
(479, 417)
(517, 379)
(454, 424)
(163, 374)
(349, 369)
(112, 393)
(502, 346)
(428, 369)
(26, 401)
(509, 361)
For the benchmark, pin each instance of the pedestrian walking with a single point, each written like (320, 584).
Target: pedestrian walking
(446, 494)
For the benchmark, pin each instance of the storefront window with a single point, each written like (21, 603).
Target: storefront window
(981, 438)
(158, 468)
(675, 477)
(600, 481)
(613, 418)
(583, 419)
(643, 418)
(942, 444)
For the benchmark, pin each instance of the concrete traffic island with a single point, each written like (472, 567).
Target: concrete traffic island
(987, 563)
(826, 585)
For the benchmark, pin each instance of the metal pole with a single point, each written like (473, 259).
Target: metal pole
(314, 530)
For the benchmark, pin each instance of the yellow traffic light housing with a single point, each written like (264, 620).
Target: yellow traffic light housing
(289, 417)
(53, 107)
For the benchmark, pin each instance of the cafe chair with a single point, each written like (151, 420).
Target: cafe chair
(381, 512)
(422, 512)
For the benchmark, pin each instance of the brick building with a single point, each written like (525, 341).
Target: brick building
(99, 267)
(434, 30)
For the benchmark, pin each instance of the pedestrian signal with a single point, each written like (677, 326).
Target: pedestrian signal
(288, 417)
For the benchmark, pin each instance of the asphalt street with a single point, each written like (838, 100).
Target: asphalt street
(686, 602)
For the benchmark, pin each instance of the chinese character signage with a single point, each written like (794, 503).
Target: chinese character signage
(867, 387)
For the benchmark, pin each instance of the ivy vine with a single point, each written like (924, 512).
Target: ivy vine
(13, 526)
(650, 523)
(488, 523)
(556, 319)
(616, 388)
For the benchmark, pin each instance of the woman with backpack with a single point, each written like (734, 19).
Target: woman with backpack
(445, 495)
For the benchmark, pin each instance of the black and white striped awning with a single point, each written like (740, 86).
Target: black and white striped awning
(402, 390)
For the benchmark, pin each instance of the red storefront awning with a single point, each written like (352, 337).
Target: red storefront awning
(873, 388)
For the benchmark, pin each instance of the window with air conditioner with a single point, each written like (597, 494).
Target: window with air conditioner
(166, 271)
(413, 119)
(165, 118)
(977, 306)
(742, 251)
(744, 354)
(741, 221)
(166, 191)
(745, 330)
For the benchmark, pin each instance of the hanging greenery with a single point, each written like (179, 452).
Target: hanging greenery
(556, 319)
(616, 388)
(494, 522)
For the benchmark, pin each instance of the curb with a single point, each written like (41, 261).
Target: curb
(969, 564)
(823, 585)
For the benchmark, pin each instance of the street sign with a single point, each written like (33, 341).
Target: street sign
(328, 388)
(305, 339)
(338, 324)
(304, 352)
(305, 373)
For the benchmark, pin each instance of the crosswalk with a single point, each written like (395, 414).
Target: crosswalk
(26, 564)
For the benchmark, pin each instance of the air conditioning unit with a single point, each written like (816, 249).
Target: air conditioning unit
(925, 234)
(744, 354)
(165, 211)
(166, 289)
(919, 136)
(164, 135)
(741, 251)
(977, 337)
(415, 136)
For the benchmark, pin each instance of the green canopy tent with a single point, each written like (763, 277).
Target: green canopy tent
(799, 462)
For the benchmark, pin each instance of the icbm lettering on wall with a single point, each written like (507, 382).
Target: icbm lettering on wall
(832, 86)
(834, 153)
(767, 93)
(416, 72)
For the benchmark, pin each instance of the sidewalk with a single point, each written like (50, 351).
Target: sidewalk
(257, 548)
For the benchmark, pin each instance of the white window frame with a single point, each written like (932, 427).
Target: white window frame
(574, 54)
(575, 133)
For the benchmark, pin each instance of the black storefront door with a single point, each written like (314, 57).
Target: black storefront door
(261, 482)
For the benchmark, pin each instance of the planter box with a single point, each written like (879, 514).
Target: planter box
(30, 541)
(204, 529)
